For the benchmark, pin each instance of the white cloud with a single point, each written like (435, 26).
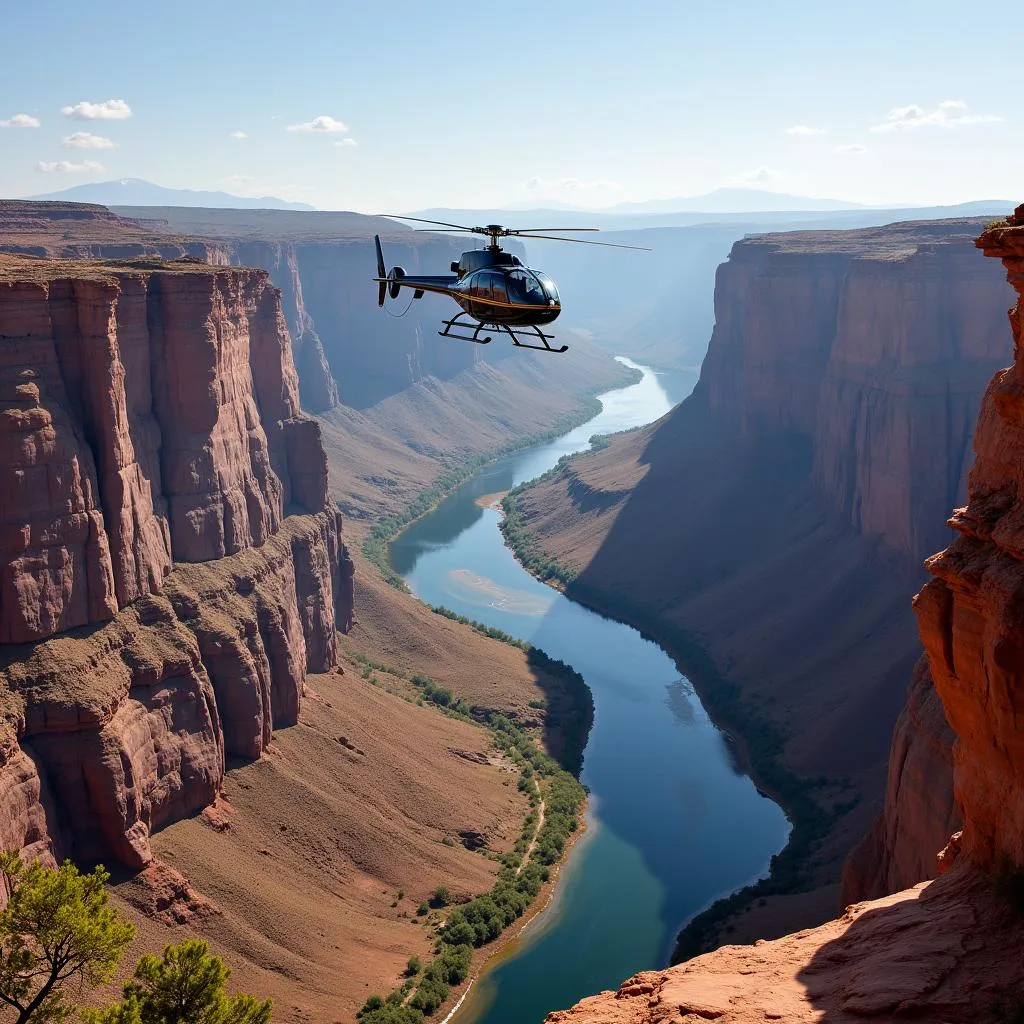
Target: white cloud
(851, 149)
(948, 114)
(240, 179)
(21, 121)
(86, 140)
(323, 123)
(67, 167)
(756, 176)
(108, 110)
(805, 129)
(346, 142)
(239, 135)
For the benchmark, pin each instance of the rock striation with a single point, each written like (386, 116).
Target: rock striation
(944, 950)
(970, 613)
(170, 564)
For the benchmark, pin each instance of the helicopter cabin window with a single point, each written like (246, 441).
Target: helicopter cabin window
(523, 287)
(490, 285)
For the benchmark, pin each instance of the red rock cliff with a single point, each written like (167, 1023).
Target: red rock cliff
(149, 419)
(970, 614)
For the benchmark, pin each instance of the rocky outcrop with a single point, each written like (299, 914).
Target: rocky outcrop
(874, 346)
(171, 564)
(970, 613)
(933, 954)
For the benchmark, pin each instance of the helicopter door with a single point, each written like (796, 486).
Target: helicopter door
(489, 290)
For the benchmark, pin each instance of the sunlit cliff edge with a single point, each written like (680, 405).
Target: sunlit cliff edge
(947, 950)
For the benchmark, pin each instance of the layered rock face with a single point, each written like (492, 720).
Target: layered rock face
(788, 498)
(158, 479)
(947, 950)
(970, 613)
(148, 416)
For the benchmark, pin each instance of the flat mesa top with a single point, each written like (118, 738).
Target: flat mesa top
(52, 226)
(890, 241)
(20, 268)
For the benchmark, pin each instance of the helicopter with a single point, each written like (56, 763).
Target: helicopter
(494, 288)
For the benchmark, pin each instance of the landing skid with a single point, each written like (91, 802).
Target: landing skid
(532, 332)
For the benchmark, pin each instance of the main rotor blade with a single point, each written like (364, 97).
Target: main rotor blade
(423, 220)
(587, 241)
(451, 231)
(523, 231)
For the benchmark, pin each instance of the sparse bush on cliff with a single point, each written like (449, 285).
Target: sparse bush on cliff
(57, 929)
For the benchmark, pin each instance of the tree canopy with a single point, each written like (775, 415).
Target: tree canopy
(57, 926)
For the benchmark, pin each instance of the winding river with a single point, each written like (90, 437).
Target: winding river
(673, 824)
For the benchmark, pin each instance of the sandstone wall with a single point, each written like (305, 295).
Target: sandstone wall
(874, 346)
(170, 564)
(146, 416)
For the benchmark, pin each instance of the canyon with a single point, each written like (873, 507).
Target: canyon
(795, 494)
(937, 951)
(184, 678)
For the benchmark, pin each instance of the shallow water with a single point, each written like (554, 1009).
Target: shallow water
(673, 823)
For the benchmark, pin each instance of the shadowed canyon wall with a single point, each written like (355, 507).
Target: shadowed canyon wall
(777, 519)
(945, 950)
(170, 564)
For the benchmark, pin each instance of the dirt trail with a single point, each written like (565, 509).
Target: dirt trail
(533, 841)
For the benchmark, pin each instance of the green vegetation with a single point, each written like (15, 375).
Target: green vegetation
(482, 919)
(521, 539)
(575, 721)
(57, 928)
(184, 986)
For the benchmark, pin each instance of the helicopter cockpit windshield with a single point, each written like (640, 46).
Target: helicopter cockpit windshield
(526, 287)
(550, 291)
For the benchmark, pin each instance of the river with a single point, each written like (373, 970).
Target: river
(673, 823)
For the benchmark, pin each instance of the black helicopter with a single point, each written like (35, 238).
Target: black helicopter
(493, 287)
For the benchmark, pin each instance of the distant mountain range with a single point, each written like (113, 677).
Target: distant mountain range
(136, 192)
(735, 200)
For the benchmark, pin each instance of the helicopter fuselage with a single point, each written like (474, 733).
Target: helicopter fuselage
(497, 287)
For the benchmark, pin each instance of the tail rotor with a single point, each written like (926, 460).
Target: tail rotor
(387, 283)
(382, 274)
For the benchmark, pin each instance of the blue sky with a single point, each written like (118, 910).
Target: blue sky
(488, 103)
